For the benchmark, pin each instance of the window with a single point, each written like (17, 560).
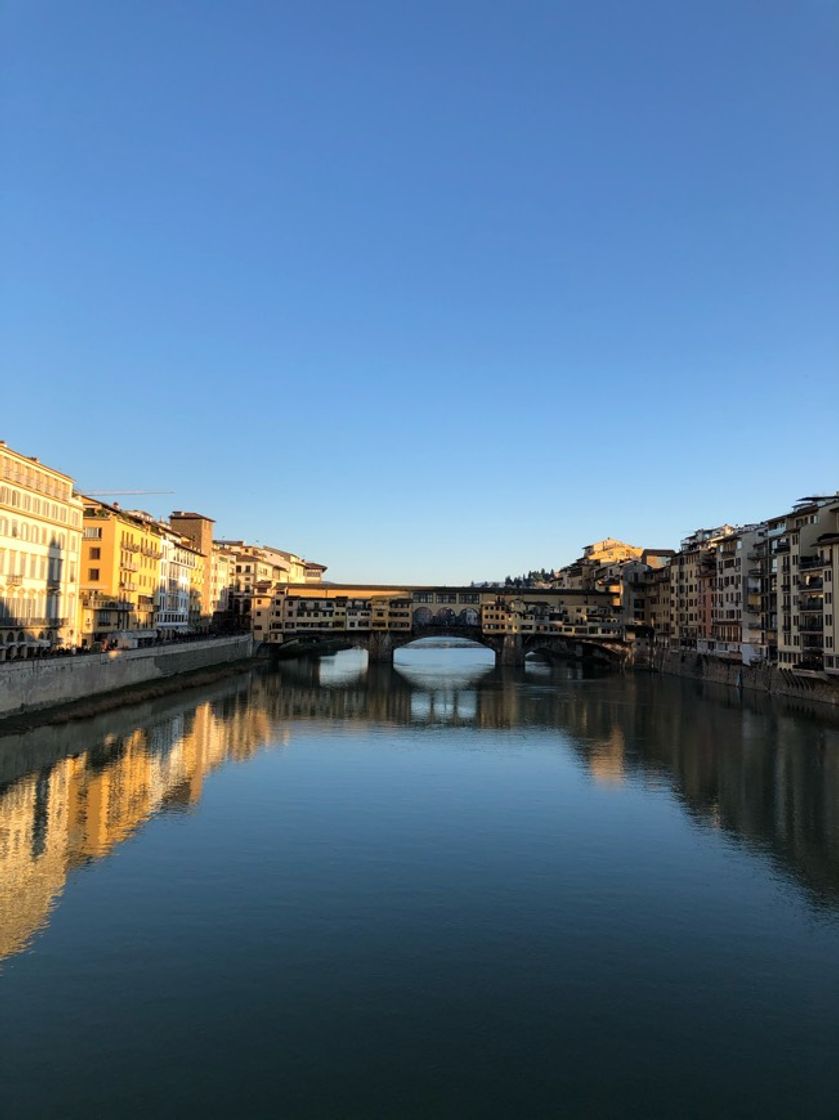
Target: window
(93, 575)
(95, 553)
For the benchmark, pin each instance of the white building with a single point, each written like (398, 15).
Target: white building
(177, 562)
(40, 545)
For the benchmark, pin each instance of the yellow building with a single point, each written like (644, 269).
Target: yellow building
(120, 573)
(40, 545)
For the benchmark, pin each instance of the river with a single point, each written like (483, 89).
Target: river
(437, 889)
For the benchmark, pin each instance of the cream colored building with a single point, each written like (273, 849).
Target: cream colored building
(222, 572)
(40, 548)
(177, 603)
(828, 544)
(805, 554)
(738, 632)
(258, 566)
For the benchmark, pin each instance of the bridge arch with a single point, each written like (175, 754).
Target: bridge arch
(554, 646)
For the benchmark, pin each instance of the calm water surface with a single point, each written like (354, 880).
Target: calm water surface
(434, 890)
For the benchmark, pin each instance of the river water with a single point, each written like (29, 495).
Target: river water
(432, 890)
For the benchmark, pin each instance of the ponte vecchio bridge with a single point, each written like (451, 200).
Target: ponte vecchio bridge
(380, 618)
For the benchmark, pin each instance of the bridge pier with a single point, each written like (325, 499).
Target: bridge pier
(512, 650)
(380, 647)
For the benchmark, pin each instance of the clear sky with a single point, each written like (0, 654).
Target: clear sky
(420, 289)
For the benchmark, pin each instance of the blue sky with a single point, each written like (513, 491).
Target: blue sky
(426, 290)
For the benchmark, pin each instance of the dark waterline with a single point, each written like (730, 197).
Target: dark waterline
(438, 889)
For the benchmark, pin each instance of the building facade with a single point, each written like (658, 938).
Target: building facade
(805, 555)
(40, 548)
(198, 530)
(284, 611)
(120, 574)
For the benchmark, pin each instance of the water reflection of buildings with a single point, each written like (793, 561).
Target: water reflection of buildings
(78, 807)
(765, 773)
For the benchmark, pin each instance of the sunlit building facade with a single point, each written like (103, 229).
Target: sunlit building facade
(40, 547)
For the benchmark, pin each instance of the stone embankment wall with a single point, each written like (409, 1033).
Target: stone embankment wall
(763, 678)
(27, 686)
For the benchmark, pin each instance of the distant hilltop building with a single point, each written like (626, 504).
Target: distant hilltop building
(610, 551)
(585, 572)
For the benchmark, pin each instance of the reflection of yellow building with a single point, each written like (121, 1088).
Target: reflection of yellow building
(85, 806)
(607, 759)
(34, 840)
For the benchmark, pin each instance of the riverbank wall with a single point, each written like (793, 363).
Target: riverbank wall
(32, 686)
(760, 678)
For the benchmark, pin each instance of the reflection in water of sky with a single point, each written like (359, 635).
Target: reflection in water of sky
(561, 866)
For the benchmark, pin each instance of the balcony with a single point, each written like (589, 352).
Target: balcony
(811, 644)
(813, 625)
(810, 562)
(810, 606)
(813, 583)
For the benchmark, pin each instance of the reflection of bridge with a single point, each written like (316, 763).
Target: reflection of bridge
(766, 771)
(310, 618)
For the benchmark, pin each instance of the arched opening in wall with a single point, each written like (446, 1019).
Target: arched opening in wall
(569, 660)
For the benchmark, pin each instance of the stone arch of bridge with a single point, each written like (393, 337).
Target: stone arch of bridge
(381, 645)
(570, 646)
